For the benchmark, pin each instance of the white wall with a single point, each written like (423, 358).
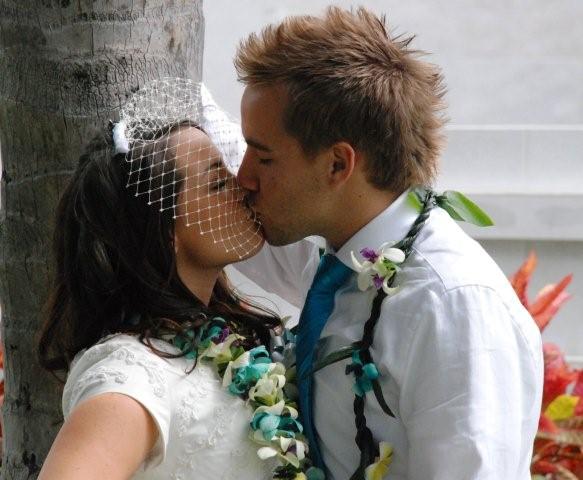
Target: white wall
(514, 70)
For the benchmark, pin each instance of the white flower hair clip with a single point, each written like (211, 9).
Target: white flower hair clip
(378, 267)
(120, 140)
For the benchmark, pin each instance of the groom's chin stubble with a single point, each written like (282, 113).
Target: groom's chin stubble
(278, 238)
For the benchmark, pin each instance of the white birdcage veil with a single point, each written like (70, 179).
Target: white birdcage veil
(176, 167)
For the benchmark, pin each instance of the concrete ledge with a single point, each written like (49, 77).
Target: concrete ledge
(530, 217)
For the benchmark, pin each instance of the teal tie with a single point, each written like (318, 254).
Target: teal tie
(331, 275)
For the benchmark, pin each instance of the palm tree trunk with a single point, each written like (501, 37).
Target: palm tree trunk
(65, 68)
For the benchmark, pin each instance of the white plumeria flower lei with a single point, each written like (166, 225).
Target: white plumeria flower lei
(378, 267)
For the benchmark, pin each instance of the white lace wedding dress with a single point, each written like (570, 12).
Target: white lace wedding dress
(203, 429)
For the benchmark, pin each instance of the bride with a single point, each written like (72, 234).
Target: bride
(144, 229)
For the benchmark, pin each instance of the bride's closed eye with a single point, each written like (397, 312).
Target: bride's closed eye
(219, 184)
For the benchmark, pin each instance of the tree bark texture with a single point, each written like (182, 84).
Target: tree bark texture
(66, 66)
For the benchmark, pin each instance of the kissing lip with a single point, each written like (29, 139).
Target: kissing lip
(248, 203)
(257, 217)
(253, 215)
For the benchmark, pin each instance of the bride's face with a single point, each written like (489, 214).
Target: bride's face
(213, 226)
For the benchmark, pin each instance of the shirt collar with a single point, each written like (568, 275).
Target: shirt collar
(391, 225)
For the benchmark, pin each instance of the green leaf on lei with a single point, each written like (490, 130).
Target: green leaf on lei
(336, 356)
(314, 473)
(462, 208)
(456, 204)
(415, 200)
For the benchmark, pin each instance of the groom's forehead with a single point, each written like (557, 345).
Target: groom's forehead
(262, 110)
(268, 98)
(266, 88)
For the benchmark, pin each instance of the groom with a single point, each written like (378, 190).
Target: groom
(341, 120)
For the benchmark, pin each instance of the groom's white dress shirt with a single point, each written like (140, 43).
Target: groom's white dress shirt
(460, 359)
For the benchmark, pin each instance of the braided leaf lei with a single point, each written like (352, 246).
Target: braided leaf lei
(378, 270)
(266, 385)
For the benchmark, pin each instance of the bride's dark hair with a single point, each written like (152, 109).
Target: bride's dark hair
(116, 266)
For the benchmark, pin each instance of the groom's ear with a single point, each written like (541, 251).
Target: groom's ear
(342, 159)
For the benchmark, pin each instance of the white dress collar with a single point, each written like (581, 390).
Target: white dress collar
(391, 225)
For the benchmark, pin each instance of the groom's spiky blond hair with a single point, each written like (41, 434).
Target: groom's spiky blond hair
(348, 79)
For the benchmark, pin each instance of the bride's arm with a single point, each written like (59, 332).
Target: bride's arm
(285, 271)
(106, 436)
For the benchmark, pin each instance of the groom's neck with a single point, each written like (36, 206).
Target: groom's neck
(354, 210)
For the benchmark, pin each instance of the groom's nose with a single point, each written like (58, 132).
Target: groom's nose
(246, 176)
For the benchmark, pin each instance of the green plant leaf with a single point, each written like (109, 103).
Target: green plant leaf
(413, 199)
(442, 202)
(461, 208)
(336, 356)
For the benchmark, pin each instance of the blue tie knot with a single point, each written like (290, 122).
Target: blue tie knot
(331, 274)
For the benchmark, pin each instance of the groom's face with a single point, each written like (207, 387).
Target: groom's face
(285, 186)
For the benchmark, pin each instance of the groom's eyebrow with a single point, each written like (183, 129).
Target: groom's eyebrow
(259, 146)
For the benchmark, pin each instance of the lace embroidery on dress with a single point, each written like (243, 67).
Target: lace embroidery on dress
(189, 460)
(110, 352)
(97, 352)
(188, 410)
(97, 375)
(152, 368)
(217, 428)
(222, 420)
(245, 459)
